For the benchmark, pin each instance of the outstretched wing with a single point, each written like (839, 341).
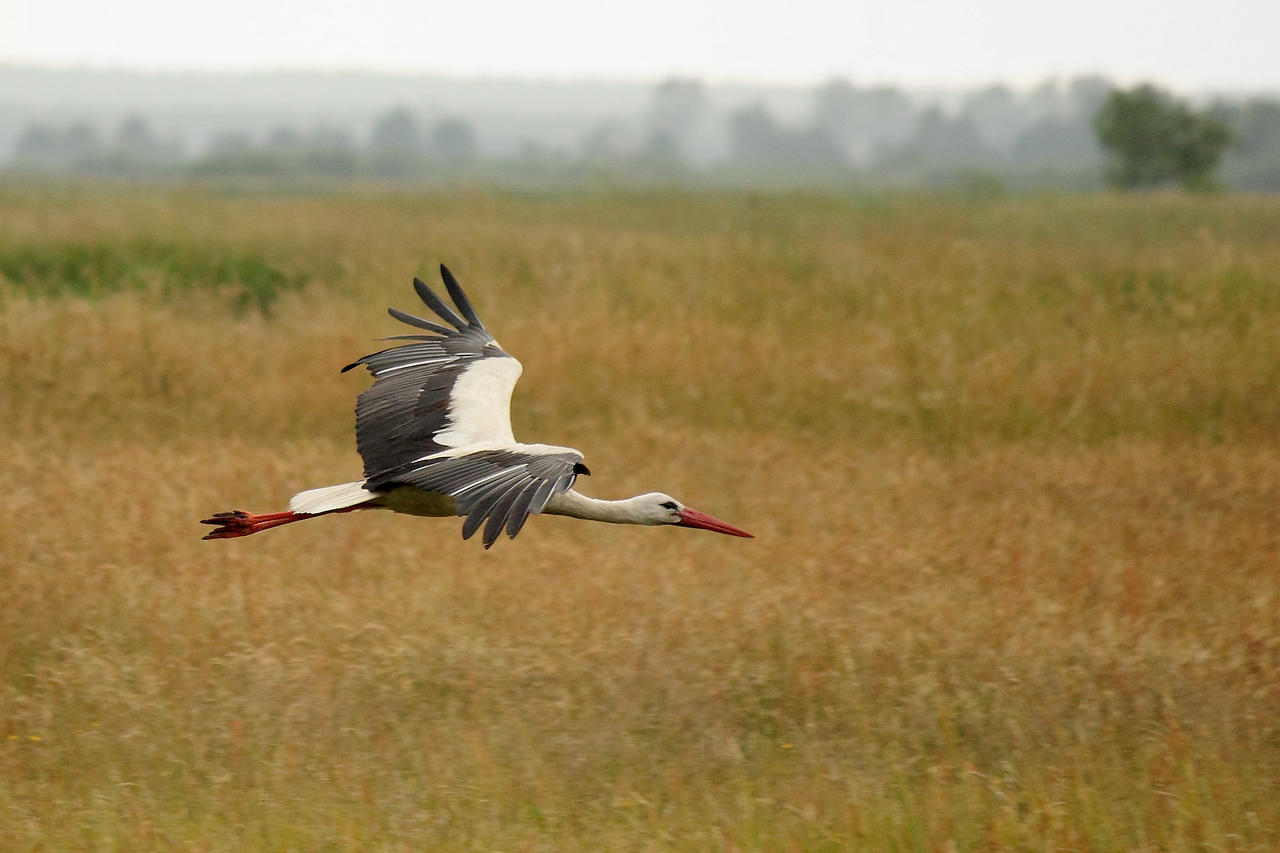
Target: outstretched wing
(498, 488)
(438, 417)
(440, 391)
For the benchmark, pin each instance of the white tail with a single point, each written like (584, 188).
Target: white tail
(330, 498)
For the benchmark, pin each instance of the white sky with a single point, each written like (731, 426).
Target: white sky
(1188, 45)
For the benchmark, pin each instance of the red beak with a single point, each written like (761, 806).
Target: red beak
(693, 518)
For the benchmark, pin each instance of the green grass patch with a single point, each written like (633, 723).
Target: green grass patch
(94, 269)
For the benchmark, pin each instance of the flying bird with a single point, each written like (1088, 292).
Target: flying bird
(434, 431)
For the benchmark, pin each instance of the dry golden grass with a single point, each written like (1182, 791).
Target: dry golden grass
(1013, 467)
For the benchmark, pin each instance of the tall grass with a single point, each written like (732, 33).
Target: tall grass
(1012, 465)
(97, 269)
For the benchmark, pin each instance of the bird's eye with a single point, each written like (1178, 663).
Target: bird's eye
(671, 505)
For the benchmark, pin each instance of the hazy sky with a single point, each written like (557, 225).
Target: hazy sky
(1186, 45)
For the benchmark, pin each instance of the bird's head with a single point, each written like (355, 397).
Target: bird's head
(657, 508)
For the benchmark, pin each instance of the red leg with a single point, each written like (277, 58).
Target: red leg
(231, 525)
(272, 516)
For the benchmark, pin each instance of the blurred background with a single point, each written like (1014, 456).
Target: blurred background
(858, 95)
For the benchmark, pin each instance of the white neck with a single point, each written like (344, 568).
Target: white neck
(577, 505)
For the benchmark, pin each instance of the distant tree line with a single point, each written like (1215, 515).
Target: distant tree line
(1076, 134)
(78, 148)
(1152, 140)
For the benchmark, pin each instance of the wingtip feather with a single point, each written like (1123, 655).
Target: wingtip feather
(459, 297)
(418, 322)
(438, 305)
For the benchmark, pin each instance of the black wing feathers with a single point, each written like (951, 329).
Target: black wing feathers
(408, 405)
(459, 298)
(405, 317)
(438, 305)
(496, 488)
(398, 418)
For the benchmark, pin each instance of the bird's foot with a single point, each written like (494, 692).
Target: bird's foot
(231, 525)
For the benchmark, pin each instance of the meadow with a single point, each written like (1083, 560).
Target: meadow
(1012, 464)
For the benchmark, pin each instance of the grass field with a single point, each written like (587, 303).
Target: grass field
(1013, 466)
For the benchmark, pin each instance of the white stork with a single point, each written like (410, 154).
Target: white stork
(434, 431)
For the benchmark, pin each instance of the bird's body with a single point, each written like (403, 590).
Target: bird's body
(434, 431)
